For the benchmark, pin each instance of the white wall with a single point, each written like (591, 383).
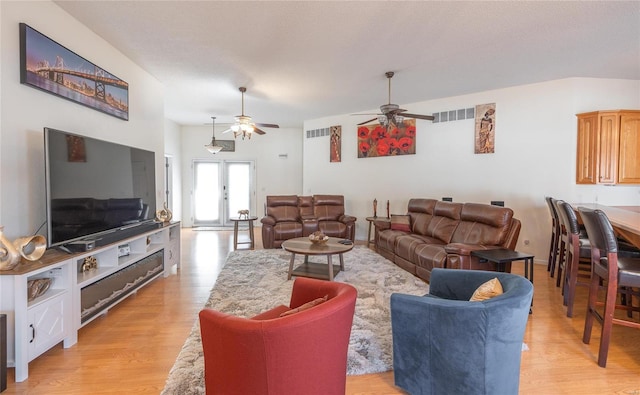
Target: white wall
(274, 175)
(535, 156)
(173, 149)
(25, 111)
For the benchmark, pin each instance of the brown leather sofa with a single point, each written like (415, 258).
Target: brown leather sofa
(290, 216)
(443, 234)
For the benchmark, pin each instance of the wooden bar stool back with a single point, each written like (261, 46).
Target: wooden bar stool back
(554, 244)
(615, 272)
(577, 256)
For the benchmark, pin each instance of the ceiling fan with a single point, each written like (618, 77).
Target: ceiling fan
(392, 114)
(244, 127)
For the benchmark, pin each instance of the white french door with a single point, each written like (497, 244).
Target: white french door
(221, 188)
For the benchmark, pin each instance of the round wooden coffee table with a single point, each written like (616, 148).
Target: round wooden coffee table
(303, 246)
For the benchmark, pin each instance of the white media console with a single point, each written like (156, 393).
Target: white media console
(84, 285)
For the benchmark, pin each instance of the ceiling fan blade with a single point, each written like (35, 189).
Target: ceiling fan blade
(226, 131)
(417, 116)
(367, 113)
(267, 125)
(258, 131)
(371, 120)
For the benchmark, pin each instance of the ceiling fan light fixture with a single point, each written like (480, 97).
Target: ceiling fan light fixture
(212, 147)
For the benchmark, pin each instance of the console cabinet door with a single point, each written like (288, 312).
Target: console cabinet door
(46, 326)
(629, 167)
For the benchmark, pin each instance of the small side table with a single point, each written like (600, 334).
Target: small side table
(371, 220)
(236, 221)
(502, 256)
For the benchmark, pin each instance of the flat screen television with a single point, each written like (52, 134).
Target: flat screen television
(96, 190)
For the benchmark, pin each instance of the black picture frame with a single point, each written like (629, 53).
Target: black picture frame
(227, 145)
(50, 67)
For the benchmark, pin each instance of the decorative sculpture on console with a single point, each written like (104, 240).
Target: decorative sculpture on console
(9, 255)
(164, 215)
(243, 214)
(30, 248)
(375, 208)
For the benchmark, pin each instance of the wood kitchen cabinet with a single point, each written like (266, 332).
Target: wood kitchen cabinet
(608, 147)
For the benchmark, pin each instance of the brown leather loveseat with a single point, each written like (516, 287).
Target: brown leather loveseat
(290, 216)
(443, 234)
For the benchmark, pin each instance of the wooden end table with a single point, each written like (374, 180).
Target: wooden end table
(371, 221)
(502, 256)
(236, 221)
(303, 246)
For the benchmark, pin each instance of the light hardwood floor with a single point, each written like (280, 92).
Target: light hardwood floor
(132, 348)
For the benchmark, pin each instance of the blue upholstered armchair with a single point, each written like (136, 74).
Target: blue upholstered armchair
(445, 344)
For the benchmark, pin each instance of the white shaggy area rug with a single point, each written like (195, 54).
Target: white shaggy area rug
(254, 281)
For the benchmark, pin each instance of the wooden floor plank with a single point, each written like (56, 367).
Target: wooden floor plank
(132, 348)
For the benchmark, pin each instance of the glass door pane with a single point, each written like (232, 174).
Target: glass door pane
(207, 194)
(239, 188)
(221, 188)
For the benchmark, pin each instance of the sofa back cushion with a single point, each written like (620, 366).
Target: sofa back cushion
(483, 224)
(328, 207)
(446, 216)
(283, 208)
(420, 211)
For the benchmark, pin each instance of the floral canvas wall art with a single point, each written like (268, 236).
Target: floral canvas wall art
(377, 140)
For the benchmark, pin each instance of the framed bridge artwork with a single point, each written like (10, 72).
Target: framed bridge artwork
(51, 67)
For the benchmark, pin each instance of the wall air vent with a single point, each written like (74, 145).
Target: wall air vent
(318, 132)
(454, 115)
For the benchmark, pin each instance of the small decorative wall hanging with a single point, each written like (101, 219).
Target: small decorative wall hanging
(227, 145)
(377, 140)
(50, 67)
(485, 128)
(76, 151)
(335, 144)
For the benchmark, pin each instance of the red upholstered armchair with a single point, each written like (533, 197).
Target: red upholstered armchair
(332, 221)
(302, 353)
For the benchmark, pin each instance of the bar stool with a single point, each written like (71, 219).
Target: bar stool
(613, 271)
(554, 244)
(575, 257)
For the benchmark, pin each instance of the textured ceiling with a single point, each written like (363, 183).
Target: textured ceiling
(305, 60)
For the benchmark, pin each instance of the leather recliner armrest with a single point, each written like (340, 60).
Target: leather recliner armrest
(381, 225)
(268, 220)
(345, 219)
(466, 249)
